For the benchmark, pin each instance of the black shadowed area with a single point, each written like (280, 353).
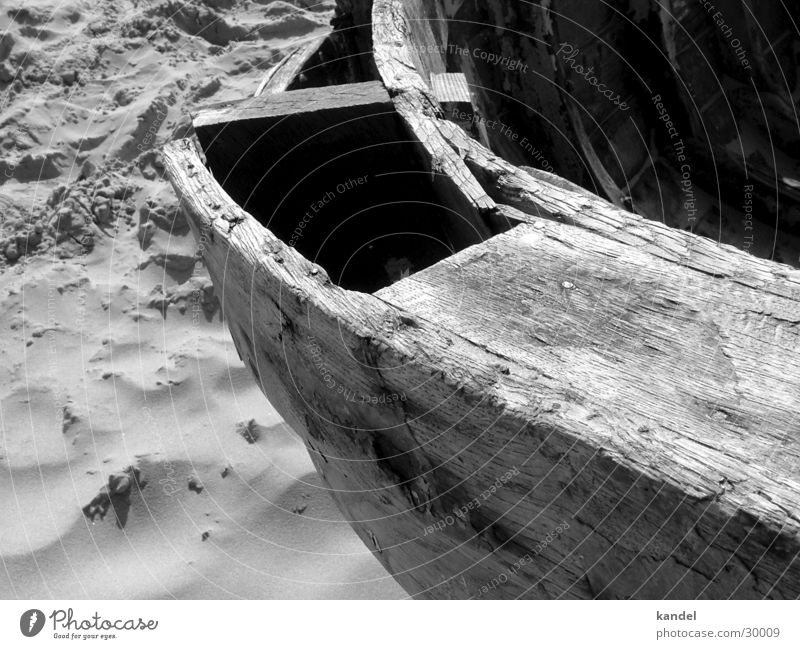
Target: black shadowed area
(332, 172)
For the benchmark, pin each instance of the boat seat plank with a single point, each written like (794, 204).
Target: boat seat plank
(256, 140)
(354, 98)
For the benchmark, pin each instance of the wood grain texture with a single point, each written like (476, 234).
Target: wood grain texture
(280, 76)
(562, 404)
(305, 338)
(548, 196)
(397, 56)
(636, 382)
(269, 106)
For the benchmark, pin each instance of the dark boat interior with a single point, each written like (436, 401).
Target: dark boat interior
(335, 175)
(349, 188)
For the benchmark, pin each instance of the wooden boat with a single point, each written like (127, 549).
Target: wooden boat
(512, 387)
(549, 100)
(607, 93)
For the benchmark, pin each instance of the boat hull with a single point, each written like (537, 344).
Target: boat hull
(483, 445)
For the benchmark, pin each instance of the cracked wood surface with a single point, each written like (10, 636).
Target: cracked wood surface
(307, 103)
(639, 379)
(647, 517)
(286, 70)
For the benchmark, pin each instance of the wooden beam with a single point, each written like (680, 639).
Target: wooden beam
(272, 141)
(351, 99)
(641, 381)
(286, 71)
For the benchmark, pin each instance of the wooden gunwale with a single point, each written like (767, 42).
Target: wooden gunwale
(694, 506)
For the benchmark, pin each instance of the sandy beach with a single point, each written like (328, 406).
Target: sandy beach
(114, 352)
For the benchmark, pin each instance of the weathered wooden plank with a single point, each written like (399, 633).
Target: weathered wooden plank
(234, 134)
(364, 439)
(398, 61)
(702, 360)
(556, 199)
(286, 71)
(352, 98)
(545, 195)
(476, 405)
(654, 454)
(254, 146)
